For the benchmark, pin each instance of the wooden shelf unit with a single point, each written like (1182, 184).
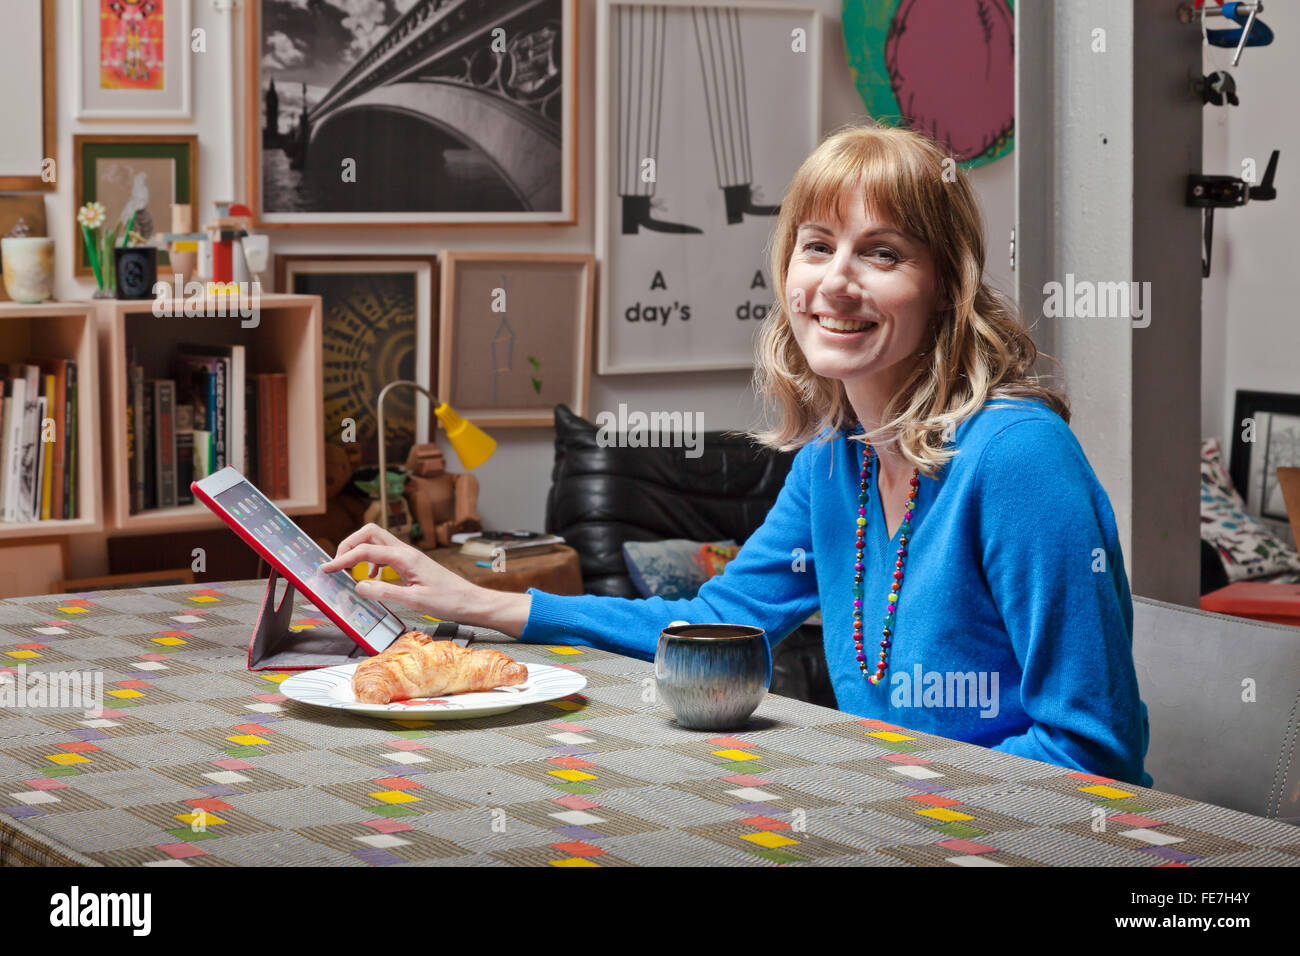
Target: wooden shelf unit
(61, 330)
(287, 338)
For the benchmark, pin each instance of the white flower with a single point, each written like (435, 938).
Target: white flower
(92, 215)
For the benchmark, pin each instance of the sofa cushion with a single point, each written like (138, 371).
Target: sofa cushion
(675, 568)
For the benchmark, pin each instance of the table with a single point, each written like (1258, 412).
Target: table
(558, 571)
(199, 762)
(1258, 600)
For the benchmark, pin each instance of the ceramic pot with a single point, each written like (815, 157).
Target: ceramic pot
(28, 268)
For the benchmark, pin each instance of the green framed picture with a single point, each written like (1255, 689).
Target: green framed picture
(134, 175)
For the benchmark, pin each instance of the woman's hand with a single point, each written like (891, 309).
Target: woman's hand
(428, 587)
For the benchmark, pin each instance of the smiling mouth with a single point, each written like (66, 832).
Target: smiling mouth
(833, 324)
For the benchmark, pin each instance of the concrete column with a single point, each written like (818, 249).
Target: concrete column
(1107, 132)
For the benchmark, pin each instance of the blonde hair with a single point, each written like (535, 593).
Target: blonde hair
(977, 348)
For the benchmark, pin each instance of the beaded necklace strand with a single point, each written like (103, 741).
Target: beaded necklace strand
(892, 605)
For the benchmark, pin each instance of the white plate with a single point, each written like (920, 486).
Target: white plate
(332, 687)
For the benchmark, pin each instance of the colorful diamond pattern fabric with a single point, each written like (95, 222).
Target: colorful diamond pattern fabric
(196, 761)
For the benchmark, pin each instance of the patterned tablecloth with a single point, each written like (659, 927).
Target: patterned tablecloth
(200, 762)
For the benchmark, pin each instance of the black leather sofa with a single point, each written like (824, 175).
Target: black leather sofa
(602, 496)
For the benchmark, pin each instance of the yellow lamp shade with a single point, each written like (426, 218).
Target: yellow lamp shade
(361, 572)
(473, 445)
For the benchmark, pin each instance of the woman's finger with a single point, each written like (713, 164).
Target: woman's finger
(386, 593)
(367, 534)
(374, 554)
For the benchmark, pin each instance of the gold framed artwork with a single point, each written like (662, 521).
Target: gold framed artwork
(515, 335)
(127, 173)
(27, 72)
(413, 113)
(377, 326)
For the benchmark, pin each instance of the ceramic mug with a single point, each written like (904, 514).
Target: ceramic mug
(28, 268)
(713, 676)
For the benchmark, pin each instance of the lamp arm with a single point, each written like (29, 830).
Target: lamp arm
(383, 445)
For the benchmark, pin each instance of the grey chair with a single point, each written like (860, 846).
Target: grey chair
(1207, 742)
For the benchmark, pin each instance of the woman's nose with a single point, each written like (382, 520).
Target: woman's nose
(839, 278)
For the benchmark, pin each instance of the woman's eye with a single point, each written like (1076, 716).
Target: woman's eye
(889, 255)
(815, 245)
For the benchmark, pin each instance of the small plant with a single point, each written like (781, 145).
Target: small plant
(99, 244)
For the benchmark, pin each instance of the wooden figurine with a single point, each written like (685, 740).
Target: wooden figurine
(443, 503)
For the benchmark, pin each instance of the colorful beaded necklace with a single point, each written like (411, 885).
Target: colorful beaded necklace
(892, 604)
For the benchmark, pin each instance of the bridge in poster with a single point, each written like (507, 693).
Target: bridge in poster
(479, 74)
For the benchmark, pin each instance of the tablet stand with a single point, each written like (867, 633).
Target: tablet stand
(275, 646)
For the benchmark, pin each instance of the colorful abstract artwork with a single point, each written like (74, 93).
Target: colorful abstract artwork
(131, 49)
(943, 67)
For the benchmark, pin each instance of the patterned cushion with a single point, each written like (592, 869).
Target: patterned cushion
(1212, 467)
(1245, 546)
(675, 568)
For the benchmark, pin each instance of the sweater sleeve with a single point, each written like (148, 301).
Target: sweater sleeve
(1052, 558)
(771, 583)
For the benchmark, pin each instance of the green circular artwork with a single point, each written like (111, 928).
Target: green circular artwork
(943, 67)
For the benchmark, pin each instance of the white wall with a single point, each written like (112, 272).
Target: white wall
(514, 482)
(1251, 331)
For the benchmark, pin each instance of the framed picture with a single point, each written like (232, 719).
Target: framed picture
(516, 335)
(132, 59)
(378, 315)
(27, 70)
(136, 172)
(703, 113)
(411, 113)
(1266, 437)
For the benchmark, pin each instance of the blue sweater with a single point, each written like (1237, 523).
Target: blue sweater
(1014, 625)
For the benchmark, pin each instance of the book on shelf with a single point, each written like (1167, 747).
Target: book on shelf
(184, 465)
(11, 437)
(29, 500)
(230, 399)
(40, 502)
(137, 435)
(49, 438)
(35, 441)
(513, 543)
(147, 444)
(272, 474)
(164, 437)
(56, 391)
(200, 382)
(69, 507)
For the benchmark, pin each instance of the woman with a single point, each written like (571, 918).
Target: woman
(940, 513)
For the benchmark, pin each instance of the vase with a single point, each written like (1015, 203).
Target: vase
(136, 268)
(28, 268)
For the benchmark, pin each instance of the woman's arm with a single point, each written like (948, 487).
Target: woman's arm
(1052, 558)
(428, 587)
(771, 584)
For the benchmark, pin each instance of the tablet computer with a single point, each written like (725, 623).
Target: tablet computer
(291, 552)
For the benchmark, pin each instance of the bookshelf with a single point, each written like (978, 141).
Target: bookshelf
(286, 338)
(61, 330)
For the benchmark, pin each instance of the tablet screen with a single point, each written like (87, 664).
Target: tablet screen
(300, 554)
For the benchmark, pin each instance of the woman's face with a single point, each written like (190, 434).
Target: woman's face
(861, 295)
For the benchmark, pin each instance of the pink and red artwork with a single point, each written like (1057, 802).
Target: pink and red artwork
(131, 44)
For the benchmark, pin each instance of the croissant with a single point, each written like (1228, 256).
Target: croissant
(415, 665)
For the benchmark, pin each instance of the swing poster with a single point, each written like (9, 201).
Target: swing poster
(132, 59)
(687, 193)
